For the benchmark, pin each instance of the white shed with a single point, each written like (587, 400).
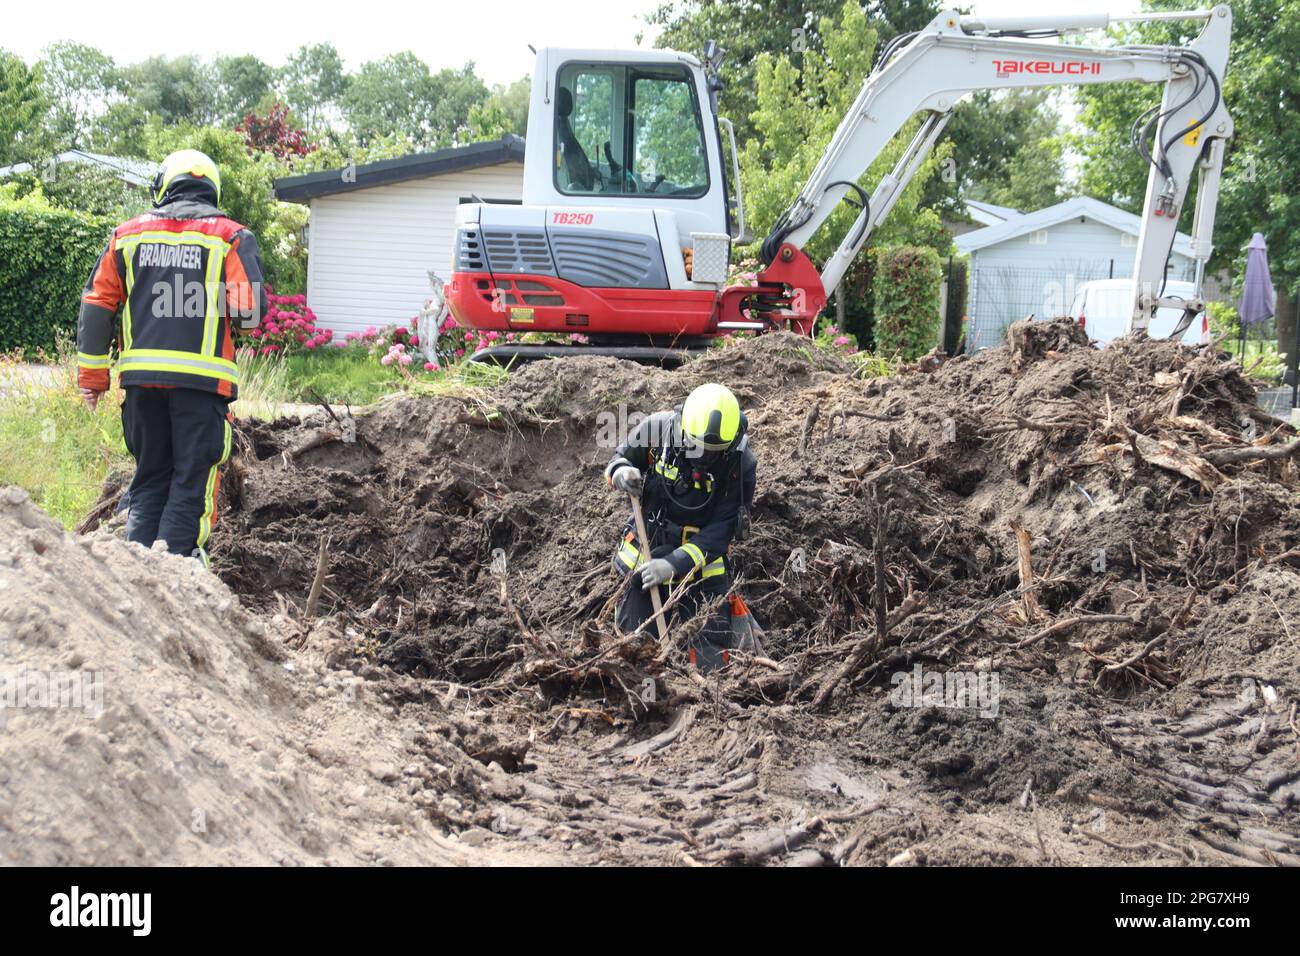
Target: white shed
(378, 229)
(1031, 263)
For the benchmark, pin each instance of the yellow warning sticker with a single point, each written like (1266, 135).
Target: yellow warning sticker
(1193, 135)
(521, 315)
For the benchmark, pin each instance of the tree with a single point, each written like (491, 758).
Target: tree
(1261, 179)
(180, 90)
(398, 95)
(275, 133)
(22, 107)
(313, 82)
(455, 93)
(798, 111)
(505, 111)
(80, 83)
(744, 29)
(988, 133)
(339, 149)
(390, 96)
(243, 84)
(1009, 150)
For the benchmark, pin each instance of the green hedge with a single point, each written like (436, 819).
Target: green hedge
(45, 258)
(906, 284)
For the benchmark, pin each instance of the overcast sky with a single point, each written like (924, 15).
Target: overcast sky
(493, 33)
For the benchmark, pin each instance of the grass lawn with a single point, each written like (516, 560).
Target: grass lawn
(338, 375)
(51, 444)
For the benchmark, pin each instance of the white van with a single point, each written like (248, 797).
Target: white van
(1102, 309)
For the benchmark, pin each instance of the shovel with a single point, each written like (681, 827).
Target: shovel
(643, 541)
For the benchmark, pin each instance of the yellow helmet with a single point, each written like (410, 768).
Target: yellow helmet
(185, 162)
(711, 417)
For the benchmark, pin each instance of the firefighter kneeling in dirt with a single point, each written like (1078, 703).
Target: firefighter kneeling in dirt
(694, 474)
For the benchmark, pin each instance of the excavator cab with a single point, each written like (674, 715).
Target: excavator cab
(630, 206)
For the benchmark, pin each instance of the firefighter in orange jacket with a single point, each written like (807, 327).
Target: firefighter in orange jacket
(167, 291)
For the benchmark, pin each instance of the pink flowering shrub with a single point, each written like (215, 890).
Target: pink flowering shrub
(830, 337)
(396, 346)
(455, 341)
(289, 325)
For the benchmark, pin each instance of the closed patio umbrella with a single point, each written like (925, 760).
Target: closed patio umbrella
(1258, 299)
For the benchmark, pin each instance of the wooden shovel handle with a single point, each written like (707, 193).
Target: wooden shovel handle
(643, 540)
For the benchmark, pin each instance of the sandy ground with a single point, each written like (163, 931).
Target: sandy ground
(149, 719)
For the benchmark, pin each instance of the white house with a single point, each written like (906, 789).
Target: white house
(378, 229)
(1032, 262)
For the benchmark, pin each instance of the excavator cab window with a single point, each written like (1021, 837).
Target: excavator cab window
(623, 130)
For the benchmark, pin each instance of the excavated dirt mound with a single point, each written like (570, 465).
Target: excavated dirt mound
(1095, 551)
(148, 718)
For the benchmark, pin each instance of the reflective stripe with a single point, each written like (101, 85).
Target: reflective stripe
(126, 300)
(217, 248)
(714, 568)
(697, 556)
(210, 492)
(670, 472)
(211, 320)
(629, 554)
(94, 361)
(183, 363)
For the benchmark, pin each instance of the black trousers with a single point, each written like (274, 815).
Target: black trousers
(180, 438)
(635, 607)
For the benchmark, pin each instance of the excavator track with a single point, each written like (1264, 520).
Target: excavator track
(664, 357)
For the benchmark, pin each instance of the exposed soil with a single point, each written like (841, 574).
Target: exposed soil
(1143, 627)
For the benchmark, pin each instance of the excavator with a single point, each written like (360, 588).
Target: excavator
(631, 197)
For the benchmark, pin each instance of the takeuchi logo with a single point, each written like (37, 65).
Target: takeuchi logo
(1006, 68)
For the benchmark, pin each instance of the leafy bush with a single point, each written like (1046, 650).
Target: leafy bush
(46, 255)
(82, 188)
(906, 285)
(1260, 359)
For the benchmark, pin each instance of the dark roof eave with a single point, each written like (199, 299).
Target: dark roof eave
(302, 189)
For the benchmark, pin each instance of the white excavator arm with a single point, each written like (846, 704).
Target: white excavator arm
(930, 71)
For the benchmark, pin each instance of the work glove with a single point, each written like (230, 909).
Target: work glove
(629, 479)
(656, 572)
